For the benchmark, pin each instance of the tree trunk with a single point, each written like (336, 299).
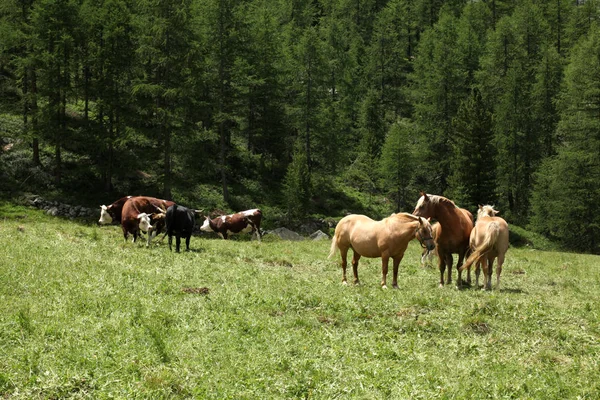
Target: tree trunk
(167, 162)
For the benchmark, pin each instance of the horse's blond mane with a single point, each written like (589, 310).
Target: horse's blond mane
(486, 211)
(405, 216)
(435, 199)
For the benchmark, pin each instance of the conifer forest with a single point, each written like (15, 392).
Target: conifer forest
(309, 107)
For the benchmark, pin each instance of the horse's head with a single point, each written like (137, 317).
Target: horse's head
(425, 207)
(424, 234)
(486, 211)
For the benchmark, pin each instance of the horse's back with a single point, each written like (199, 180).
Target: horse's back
(484, 225)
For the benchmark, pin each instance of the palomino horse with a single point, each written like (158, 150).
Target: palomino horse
(489, 240)
(426, 254)
(455, 225)
(387, 239)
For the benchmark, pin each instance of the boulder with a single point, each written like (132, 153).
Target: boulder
(318, 235)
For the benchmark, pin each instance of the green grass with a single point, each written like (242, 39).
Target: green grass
(85, 315)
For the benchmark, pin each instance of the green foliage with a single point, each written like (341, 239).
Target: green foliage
(567, 185)
(397, 165)
(297, 185)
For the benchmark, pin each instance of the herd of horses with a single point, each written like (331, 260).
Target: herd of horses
(481, 241)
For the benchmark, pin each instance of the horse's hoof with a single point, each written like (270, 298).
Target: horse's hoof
(384, 286)
(344, 283)
(441, 286)
(395, 287)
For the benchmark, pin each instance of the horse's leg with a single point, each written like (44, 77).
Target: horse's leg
(344, 254)
(499, 270)
(384, 270)
(396, 265)
(355, 259)
(459, 263)
(449, 265)
(477, 272)
(441, 267)
(486, 274)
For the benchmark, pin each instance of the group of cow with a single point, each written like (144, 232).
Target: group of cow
(150, 215)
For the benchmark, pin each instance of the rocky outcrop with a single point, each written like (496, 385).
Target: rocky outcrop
(58, 209)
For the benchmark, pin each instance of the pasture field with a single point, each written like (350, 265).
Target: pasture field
(85, 315)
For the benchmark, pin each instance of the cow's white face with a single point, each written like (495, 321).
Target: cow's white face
(206, 226)
(105, 217)
(144, 223)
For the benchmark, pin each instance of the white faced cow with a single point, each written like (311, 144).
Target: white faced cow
(242, 222)
(138, 213)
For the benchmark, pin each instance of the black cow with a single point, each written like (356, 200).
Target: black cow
(180, 222)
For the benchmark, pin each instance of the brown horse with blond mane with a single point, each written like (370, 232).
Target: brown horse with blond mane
(453, 233)
(489, 239)
(387, 239)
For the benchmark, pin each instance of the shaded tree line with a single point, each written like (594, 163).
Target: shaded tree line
(296, 103)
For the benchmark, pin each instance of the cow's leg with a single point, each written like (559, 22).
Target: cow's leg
(355, 259)
(177, 242)
(187, 242)
(170, 241)
(344, 254)
(397, 260)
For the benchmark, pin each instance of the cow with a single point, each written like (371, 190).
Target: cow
(139, 213)
(242, 222)
(111, 213)
(180, 222)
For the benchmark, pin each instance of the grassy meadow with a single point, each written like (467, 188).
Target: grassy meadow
(85, 315)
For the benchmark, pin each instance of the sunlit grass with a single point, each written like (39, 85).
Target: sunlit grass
(84, 314)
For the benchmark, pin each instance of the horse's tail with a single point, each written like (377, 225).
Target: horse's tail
(489, 241)
(333, 245)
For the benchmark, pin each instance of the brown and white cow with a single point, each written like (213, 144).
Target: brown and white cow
(242, 222)
(111, 213)
(139, 213)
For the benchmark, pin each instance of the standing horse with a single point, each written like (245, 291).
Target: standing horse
(489, 240)
(387, 239)
(455, 225)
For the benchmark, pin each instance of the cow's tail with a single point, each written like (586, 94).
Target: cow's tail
(489, 241)
(334, 246)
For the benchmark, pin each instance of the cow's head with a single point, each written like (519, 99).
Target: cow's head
(105, 217)
(206, 225)
(144, 222)
(158, 221)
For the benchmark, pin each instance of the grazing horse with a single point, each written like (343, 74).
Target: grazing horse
(387, 239)
(455, 225)
(489, 239)
(426, 254)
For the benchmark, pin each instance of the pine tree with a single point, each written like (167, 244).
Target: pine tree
(398, 163)
(473, 179)
(566, 201)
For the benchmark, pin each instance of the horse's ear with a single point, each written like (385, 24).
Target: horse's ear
(429, 219)
(420, 221)
(496, 212)
(424, 196)
(480, 206)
